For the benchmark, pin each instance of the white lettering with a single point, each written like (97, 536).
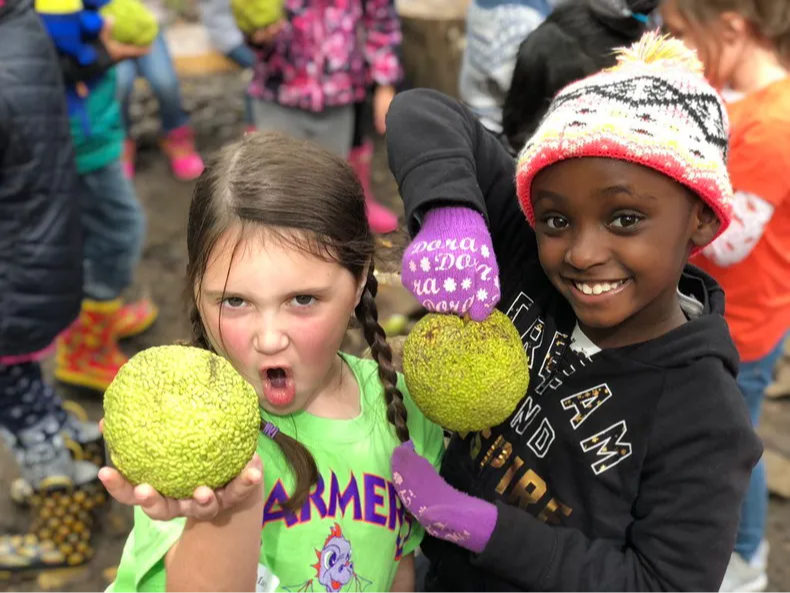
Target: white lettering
(485, 274)
(541, 441)
(604, 450)
(468, 244)
(464, 261)
(427, 286)
(446, 261)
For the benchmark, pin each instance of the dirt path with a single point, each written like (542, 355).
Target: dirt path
(162, 272)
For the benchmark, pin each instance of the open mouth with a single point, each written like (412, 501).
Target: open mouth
(599, 289)
(278, 385)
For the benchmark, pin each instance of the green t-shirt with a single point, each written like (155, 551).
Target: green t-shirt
(353, 530)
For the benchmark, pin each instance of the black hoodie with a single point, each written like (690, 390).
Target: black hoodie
(621, 471)
(40, 229)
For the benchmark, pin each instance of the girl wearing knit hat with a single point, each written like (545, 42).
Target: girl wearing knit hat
(625, 465)
(745, 46)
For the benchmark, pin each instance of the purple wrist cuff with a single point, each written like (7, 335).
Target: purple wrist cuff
(453, 218)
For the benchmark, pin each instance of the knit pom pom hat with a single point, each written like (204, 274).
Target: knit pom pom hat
(653, 108)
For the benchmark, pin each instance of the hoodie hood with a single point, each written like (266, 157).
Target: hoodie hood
(705, 335)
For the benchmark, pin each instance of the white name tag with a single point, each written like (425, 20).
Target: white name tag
(267, 580)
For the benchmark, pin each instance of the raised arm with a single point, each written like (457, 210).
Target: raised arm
(457, 185)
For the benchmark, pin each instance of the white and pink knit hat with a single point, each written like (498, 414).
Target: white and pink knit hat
(653, 108)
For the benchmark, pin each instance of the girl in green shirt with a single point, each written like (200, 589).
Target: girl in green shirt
(280, 259)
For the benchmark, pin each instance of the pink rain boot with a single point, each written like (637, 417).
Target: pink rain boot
(381, 219)
(179, 146)
(127, 158)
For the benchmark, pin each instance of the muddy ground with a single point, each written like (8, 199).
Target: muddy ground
(161, 273)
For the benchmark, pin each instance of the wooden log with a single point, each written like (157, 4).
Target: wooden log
(776, 439)
(433, 9)
(781, 386)
(433, 42)
(777, 470)
(192, 52)
(773, 427)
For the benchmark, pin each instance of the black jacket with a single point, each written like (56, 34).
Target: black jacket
(40, 233)
(623, 471)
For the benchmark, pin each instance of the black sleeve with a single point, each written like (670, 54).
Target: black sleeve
(701, 454)
(5, 133)
(73, 72)
(441, 155)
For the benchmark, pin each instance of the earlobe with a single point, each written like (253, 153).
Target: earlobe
(706, 225)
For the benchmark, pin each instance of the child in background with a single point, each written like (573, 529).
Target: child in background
(745, 45)
(41, 282)
(313, 67)
(157, 68)
(360, 157)
(280, 258)
(226, 37)
(494, 31)
(576, 40)
(113, 223)
(624, 466)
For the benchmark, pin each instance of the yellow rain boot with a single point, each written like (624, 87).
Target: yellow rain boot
(87, 352)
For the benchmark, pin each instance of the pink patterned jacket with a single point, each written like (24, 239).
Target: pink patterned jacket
(328, 53)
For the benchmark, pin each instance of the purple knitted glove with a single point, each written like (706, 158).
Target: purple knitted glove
(442, 510)
(450, 267)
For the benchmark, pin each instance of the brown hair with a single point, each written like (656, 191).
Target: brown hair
(770, 19)
(283, 185)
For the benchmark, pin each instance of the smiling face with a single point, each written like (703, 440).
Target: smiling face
(279, 314)
(613, 238)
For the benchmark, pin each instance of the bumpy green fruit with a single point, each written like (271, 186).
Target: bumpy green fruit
(177, 417)
(252, 15)
(465, 375)
(132, 22)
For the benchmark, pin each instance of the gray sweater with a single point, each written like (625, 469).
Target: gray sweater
(221, 26)
(495, 29)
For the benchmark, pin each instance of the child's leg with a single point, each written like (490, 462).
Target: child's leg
(753, 379)
(125, 75)
(46, 439)
(243, 56)
(332, 129)
(271, 117)
(31, 420)
(113, 230)
(360, 157)
(157, 68)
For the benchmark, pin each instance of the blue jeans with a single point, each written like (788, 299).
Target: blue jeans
(157, 68)
(113, 226)
(245, 58)
(753, 378)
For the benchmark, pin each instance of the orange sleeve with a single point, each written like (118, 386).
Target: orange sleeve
(760, 161)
